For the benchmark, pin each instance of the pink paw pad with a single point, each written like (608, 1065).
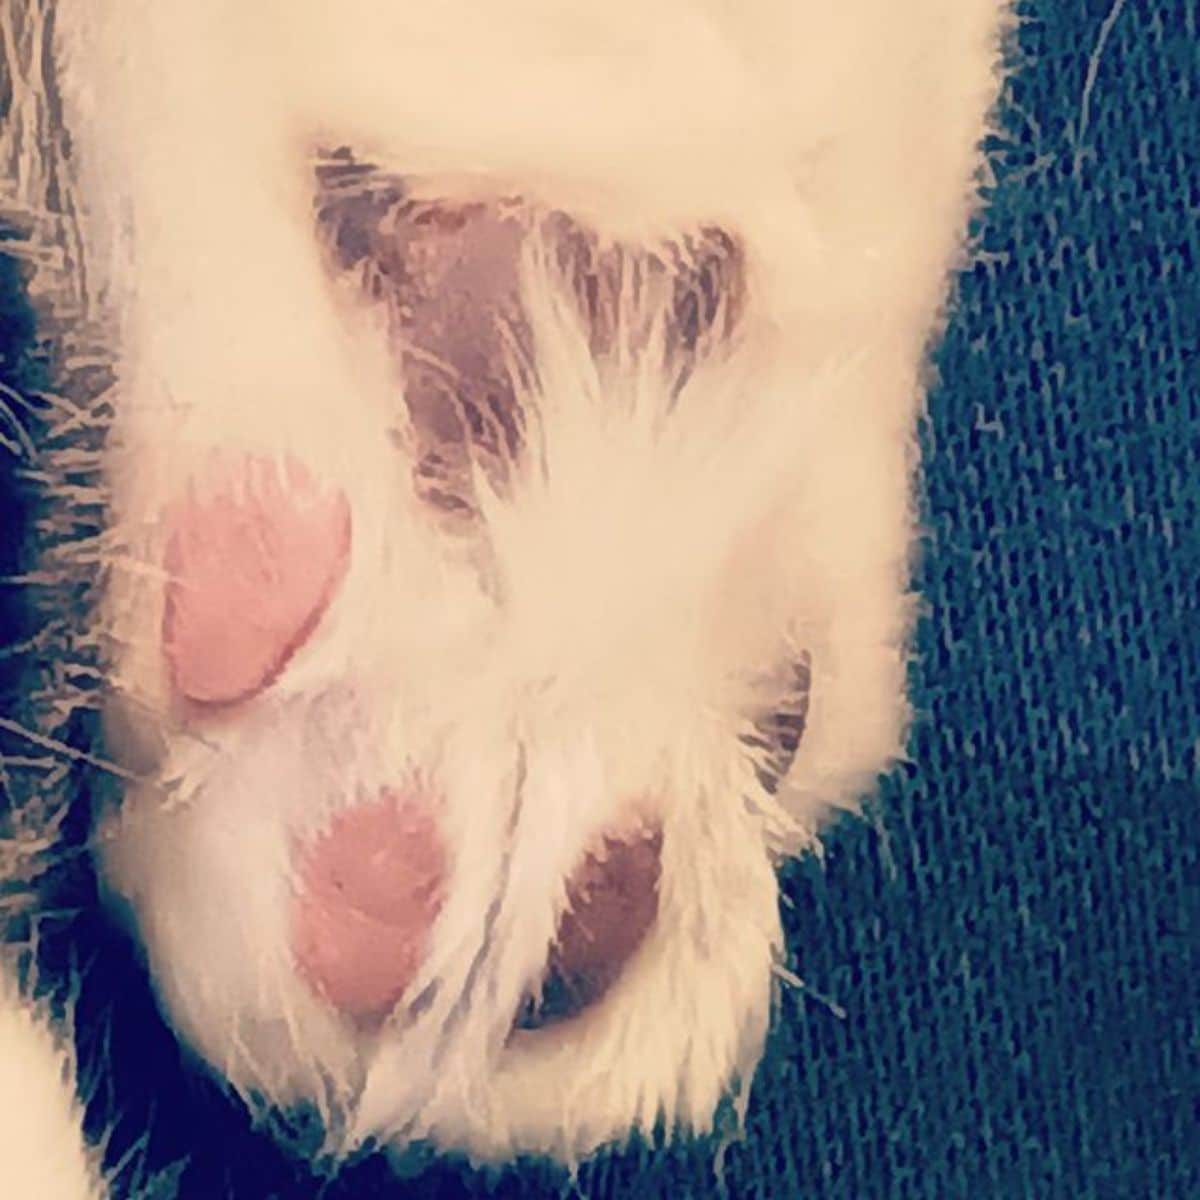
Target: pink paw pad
(256, 550)
(368, 891)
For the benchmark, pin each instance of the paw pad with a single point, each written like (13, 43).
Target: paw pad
(256, 550)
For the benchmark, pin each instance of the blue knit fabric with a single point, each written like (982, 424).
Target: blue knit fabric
(1016, 938)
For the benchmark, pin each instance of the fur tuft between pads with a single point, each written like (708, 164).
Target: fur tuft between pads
(512, 409)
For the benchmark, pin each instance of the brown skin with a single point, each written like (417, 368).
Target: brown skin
(612, 901)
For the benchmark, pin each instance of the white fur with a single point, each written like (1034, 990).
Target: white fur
(42, 1151)
(606, 635)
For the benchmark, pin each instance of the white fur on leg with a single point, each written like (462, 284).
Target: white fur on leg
(43, 1155)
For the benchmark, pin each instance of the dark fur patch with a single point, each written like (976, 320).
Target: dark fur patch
(448, 275)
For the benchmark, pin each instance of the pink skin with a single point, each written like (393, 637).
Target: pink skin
(256, 551)
(369, 889)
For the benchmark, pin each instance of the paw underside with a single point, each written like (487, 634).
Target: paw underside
(257, 548)
(257, 551)
(403, 859)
